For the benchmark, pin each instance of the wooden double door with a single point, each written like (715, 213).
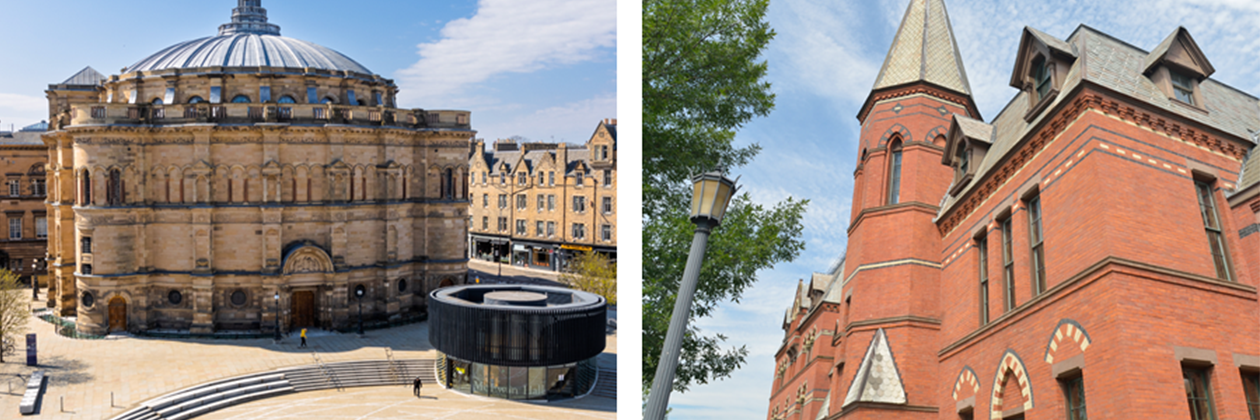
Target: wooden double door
(302, 310)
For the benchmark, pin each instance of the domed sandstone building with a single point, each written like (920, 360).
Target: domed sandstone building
(228, 180)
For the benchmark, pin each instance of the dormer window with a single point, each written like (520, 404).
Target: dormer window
(1040, 67)
(1177, 66)
(1182, 86)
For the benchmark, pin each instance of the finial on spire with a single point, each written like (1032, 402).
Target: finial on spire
(249, 17)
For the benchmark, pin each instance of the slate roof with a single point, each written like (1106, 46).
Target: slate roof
(1251, 168)
(924, 50)
(22, 138)
(1119, 66)
(973, 128)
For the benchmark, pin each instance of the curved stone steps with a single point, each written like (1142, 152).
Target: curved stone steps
(197, 400)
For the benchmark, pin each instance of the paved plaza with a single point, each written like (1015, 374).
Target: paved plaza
(86, 372)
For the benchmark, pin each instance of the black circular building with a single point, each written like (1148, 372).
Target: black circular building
(517, 341)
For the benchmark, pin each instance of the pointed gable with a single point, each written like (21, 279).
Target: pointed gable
(924, 49)
(86, 77)
(877, 379)
(1032, 42)
(1180, 49)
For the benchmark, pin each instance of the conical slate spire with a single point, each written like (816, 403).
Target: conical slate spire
(924, 50)
(249, 17)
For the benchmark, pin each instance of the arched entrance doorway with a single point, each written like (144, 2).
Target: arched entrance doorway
(446, 283)
(117, 314)
(306, 267)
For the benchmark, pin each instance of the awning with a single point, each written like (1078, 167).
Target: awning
(518, 247)
(575, 247)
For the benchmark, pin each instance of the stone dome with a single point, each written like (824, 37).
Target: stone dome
(248, 41)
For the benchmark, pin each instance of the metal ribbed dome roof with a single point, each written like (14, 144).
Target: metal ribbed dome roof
(248, 41)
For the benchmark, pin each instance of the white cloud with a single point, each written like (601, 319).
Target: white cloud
(507, 36)
(555, 123)
(21, 110)
(824, 55)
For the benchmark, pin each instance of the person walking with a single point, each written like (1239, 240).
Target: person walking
(303, 338)
(415, 387)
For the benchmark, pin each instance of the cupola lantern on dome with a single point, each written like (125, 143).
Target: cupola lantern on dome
(249, 17)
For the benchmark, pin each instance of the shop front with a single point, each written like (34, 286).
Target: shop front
(488, 248)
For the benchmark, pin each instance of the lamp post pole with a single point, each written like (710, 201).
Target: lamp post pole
(35, 280)
(712, 194)
(277, 297)
(358, 293)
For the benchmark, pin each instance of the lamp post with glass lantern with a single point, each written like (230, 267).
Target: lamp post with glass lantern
(712, 192)
(277, 297)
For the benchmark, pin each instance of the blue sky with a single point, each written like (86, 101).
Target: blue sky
(823, 63)
(542, 69)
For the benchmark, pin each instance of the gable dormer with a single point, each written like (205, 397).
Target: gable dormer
(1177, 66)
(966, 144)
(603, 143)
(1040, 67)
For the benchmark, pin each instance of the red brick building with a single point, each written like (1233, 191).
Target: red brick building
(1090, 251)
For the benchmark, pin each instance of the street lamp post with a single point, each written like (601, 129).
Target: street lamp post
(358, 293)
(277, 297)
(35, 280)
(712, 193)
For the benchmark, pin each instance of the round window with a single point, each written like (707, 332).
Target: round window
(359, 291)
(402, 285)
(175, 297)
(238, 297)
(88, 300)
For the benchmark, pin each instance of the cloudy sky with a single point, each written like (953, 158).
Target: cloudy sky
(822, 65)
(542, 69)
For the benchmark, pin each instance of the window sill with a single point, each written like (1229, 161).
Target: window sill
(961, 184)
(1041, 105)
(1187, 105)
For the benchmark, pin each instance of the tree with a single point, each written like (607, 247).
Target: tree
(592, 272)
(14, 311)
(702, 80)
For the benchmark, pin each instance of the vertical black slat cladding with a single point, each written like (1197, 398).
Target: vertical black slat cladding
(517, 336)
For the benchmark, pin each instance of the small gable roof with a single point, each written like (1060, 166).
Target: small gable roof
(1179, 47)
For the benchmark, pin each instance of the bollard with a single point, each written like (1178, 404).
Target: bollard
(63, 403)
(111, 399)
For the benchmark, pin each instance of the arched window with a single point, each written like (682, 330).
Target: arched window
(894, 172)
(286, 99)
(85, 188)
(964, 162)
(157, 101)
(195, 100)
(1041, 76)
(328, 100)
(464, 191)
(447, 186)
(240, 99)
(114, 188)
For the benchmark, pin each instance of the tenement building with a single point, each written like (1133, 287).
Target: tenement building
(24, 234)
(540, 204)
(1089, 251)
(246, 180)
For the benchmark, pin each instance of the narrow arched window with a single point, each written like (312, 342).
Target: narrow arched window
(1041, 76)
(85, 188)
(964, 161)
(240, 99)
(113, 190)
(447, 184)
(894, 172)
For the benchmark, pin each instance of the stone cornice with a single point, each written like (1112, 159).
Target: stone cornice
(920, 87)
